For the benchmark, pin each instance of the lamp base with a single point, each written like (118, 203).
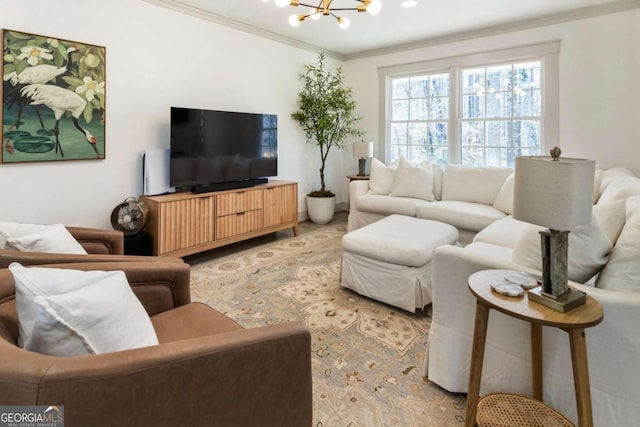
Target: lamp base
(563, 303)
(362, 163)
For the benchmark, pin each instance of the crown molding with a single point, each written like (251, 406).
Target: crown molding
(525, 24)
(197, 12)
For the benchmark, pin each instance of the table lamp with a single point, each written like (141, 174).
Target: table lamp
(558, 194)
(364, 150)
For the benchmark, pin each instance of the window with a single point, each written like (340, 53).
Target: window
(420, 117)
(501, 113)
(482, 109)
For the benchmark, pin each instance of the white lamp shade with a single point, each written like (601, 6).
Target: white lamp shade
(554, 194)
(363, 149)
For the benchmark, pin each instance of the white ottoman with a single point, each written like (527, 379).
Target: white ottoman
(390, 260)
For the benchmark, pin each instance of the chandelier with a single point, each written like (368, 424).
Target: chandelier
(324, 8)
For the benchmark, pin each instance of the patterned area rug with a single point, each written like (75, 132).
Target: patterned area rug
(367, 356)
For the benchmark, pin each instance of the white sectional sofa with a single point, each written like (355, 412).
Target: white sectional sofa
(613, 346)
(468, 198)
(478, 201)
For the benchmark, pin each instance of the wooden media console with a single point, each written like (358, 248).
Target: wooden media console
(186, 223)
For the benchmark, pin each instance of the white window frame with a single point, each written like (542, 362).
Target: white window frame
(428, 121)
(547, 53)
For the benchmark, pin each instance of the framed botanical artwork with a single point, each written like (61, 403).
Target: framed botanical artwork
(53, 99)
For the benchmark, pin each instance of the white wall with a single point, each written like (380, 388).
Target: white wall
(599, 84)
(156, 58)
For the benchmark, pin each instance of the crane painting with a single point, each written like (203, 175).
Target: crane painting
(53, 99)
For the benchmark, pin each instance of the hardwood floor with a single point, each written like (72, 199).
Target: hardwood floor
(303, 227)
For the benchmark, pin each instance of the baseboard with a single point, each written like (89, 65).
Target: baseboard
(342, 206)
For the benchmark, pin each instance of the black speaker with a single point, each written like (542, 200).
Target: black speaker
(138, 244)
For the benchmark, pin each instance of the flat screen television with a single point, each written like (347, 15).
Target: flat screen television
(217, 150)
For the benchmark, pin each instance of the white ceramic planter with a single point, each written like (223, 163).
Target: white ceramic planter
(321, 209)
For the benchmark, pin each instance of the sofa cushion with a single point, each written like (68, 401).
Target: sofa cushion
(381, 177)
(464, 215)
(413, 180)
(191, 321)
(505, 232)
(620, 188)
(504, 199)
(64, 312)
(611, 174)
(622, 272)
(387, 205)
(54, 238)
(589, 248)
(611, 217)
(490, 250)
(473, 184)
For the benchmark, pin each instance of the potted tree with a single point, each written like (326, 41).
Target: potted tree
(326, 113)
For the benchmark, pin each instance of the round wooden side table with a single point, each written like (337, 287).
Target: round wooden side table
(573, 322)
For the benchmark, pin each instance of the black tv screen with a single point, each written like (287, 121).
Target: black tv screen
(213, 147)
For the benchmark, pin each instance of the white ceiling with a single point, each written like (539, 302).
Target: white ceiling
(394, 26)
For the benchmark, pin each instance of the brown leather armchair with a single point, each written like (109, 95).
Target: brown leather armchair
(207, 369)
(101, 245)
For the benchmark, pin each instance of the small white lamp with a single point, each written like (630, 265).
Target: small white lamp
(363, 150)
(558, 194)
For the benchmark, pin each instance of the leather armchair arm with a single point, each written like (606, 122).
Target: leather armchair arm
(160, 286)
(201, 381)
(36, 258)
(99, 241)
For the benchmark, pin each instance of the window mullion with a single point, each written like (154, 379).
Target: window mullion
(455, 114)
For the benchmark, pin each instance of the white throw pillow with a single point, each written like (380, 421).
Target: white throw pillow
(589, 248)
(53, 238)
(71, 312)
(504, 199)
(381, 177)
(438, 173)
(473, 184)
(622, 272)
(621, 188)
(612, 174)
(9, 229)
(597, 182)
(413, 180)
(611, 217)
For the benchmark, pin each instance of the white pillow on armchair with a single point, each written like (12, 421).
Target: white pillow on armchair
(63, 312)
(53, 238)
